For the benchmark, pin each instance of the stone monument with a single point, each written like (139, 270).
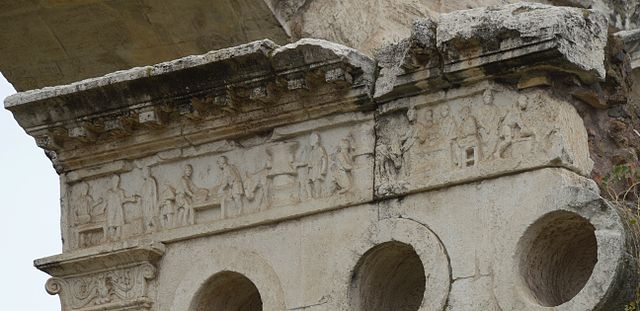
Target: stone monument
(435, 156)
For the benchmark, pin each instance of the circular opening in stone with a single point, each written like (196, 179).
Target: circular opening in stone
(557, 256)
(228, 291)
(388, 277)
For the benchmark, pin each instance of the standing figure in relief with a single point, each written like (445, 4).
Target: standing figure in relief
(231, 188)
(467, 140)
(149, 201)
(85, 205)
(431, 130)
(167, 207)
(416, 134)
(342, 168)
(445, 128)
(317, 162)
(116, 198)
(256, 188)
(187, 194)
(489, 117)
(390, 159)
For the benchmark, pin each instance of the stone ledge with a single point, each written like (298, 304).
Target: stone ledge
(102, 257)
(511, 42)
(239, 90)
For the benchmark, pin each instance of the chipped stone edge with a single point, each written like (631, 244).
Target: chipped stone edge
(261, 46)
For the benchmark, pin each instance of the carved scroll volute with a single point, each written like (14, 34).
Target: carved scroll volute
(129, 288)
(57, 286)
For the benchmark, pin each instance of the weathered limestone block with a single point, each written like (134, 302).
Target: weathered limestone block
(480, 131)
(370, 25)
(266, 177)
(52, 43)
(336, 261)
(236, 137)
(222, 94)
(179, 192)
(115, 278)
(577, 35)
(509, 239)
(513, 42)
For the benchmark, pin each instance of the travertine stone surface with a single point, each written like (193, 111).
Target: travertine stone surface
(471, 240)
(223, 94)
(300, 169)
(513, 42)
(444, 175)
(480, 131)
(117, 278)
(49, 43)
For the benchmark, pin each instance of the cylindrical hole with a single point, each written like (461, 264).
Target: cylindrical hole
(557, 256)
(228, 291)
(388, 277)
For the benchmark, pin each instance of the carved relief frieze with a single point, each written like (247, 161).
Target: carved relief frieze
(488, 130)
(122, 279)
(119, 289)
(320, 164)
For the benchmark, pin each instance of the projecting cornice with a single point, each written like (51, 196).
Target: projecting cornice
(225, 93)
(256, 87)
(519, 43)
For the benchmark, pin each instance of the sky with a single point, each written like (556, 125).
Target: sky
(30, 211)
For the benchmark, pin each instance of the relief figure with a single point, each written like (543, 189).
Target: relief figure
(416, 134)
(256, 187)
(514, 133)
(115, 200)
(315, 161)
(389, 158)
(341, 170)
(468, 149)
(85, 205)
(434, 152)
(231, 188)
(87, 232)
(149, 198)
(167, 207)
(445, 127)
(489, 118)
(187, 193)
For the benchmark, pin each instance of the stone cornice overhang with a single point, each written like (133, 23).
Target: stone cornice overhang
(525, 44)
(223, 94)
(253, 88)
(101, 258)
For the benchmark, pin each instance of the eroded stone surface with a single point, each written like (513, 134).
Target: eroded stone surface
(269, 177)
(431, 141)
(302, 169)
(514, 42)
(311, 262)
(221, 94)
(71, 40)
